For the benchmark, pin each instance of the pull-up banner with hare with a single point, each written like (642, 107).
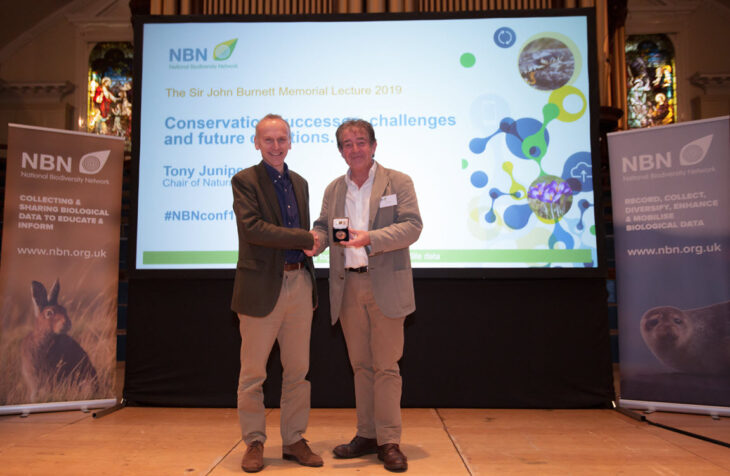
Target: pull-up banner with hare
(59, 268)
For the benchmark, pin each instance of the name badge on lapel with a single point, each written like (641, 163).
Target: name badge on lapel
(388, 201)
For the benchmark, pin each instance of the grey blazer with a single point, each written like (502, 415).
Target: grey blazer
(392, 230)
(263, 240)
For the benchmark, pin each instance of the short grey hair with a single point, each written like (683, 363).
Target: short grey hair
(355, 124)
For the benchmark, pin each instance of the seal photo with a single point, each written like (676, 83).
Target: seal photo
(695, 341)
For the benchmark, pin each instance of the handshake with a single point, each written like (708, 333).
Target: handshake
(357, 239)
(315, 247)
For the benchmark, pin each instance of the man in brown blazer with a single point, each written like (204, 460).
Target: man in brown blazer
(274, 293)
(371, 285)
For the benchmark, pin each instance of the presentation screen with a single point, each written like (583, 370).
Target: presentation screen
(494, 119)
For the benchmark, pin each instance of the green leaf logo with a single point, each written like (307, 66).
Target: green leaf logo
(224, 50)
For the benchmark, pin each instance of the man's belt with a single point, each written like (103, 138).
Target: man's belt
(361, 269)
(293, 266)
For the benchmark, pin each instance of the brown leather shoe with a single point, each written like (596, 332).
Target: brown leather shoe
(359, 446)
(393, 457)
(302, 454)
(253, 460)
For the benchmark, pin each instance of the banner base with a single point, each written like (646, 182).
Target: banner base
(675, 407)
(106, 411)
(83, 405)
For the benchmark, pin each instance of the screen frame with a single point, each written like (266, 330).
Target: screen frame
(598, 271)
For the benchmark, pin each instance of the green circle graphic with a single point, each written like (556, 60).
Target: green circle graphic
(467, 60)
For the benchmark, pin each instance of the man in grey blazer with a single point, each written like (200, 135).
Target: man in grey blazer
(274, 293)
(371, 285)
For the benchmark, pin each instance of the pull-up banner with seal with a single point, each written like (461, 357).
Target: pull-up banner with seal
(671, 213)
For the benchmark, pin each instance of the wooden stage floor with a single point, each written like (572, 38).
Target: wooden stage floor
(199, 441)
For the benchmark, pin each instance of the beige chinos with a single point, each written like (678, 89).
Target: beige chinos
(289, 323)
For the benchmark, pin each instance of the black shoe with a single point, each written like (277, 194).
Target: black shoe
(393, 457)
(359, 446)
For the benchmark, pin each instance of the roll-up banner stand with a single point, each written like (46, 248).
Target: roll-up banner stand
(59, 270)
(671, 213)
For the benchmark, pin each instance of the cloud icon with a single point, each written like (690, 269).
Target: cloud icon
(581, 171)
(93, 162)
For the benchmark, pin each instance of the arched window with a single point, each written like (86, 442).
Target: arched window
(651, 81)
(109, 103)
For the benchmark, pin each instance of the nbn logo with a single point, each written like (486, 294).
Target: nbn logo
(46, 162)
(188, 54)
(691, 154)
(646, 162)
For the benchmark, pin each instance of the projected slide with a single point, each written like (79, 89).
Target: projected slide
(489, 116)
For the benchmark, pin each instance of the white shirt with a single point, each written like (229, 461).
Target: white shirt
(357, 209)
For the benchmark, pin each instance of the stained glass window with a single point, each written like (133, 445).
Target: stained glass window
(109, 102)
(651, 81)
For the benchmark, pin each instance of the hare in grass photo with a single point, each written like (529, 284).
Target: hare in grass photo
(52, 361)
